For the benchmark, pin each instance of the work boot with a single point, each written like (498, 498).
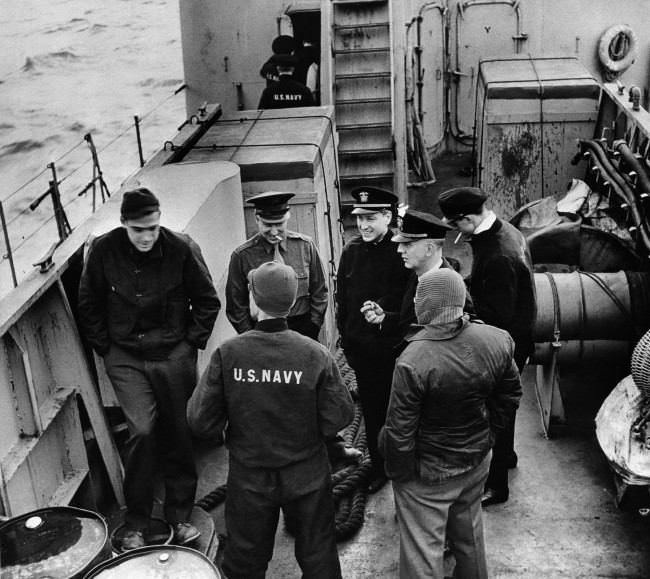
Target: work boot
(132, 539)
(185, 533)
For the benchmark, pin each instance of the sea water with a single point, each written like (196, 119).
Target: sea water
(69, 68)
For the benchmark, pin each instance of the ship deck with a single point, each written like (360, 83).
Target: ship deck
(561, 520)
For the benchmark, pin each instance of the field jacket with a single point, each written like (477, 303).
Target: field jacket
(277, 394)
(454, 385)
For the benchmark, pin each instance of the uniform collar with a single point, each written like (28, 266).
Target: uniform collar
(438, 332)
(268, 247)
(156, 252)
(488, 222)
(272, 325)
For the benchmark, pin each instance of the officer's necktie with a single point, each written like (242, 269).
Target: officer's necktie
(277, 256)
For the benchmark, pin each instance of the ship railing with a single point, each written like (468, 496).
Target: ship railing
(39, 214)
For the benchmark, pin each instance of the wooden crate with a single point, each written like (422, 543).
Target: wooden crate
(529, 114)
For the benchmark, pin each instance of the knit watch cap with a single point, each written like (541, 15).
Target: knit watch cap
(439, 297)
(273, 286)
(138, 203)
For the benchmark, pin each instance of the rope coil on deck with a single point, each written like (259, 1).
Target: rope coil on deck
(348, 482)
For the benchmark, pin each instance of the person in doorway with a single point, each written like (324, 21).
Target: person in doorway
(279, 395)
(370, 269)
(286, 92)
(146, 304)
(503, 290)
(281, 45)
(274, 242)
(454, 385)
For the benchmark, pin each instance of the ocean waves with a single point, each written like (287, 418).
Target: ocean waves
(36, 64)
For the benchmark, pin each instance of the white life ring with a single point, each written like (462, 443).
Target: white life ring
(617, 49)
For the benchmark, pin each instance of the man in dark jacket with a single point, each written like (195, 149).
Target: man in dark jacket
(146, 304)
(454, 385)
(370, 269)
(503, 289)
(279, 395)
(286, 92)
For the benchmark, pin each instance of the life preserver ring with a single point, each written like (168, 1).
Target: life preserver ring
(617, 49)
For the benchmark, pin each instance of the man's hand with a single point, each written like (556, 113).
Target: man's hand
(372, 312)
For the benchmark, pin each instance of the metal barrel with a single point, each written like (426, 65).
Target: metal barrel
(160, 532)
(54, 542)
(157, 562)
(588, 306)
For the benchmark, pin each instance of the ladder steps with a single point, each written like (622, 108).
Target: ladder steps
(364, 152)
(362, 82)
(383, 74)
(353, 2)
(362, 101)
(360, 50)
(361, 126)
(365, 177)
(365, 25)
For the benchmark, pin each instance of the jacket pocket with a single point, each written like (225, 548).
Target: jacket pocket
(121, 313)
(303, 284)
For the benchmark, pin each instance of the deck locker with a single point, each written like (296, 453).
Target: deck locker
(529, 114)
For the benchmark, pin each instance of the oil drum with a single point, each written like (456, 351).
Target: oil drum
(53, 543)
(160, 533)
(157, 562)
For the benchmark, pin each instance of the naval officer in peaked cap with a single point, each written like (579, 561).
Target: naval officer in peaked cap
(274, 242)
(370, 269)
(420, 241)
(503, 289)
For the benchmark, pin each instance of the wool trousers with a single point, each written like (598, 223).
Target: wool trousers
(503, 452)
(153, 395)
(430, 514)
(374, 374)
(253, 503)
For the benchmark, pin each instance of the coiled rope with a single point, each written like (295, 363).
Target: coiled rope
(348, 482)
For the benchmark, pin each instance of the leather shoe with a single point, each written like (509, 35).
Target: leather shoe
(494, 497)
(377, 483)
(132, 539)
(185, 533)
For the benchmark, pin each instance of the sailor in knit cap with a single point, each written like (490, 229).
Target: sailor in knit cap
(454, 386)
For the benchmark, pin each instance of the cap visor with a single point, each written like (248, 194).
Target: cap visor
(366, 210)
(273, 218)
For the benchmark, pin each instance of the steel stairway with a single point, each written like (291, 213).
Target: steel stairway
(362, 93)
